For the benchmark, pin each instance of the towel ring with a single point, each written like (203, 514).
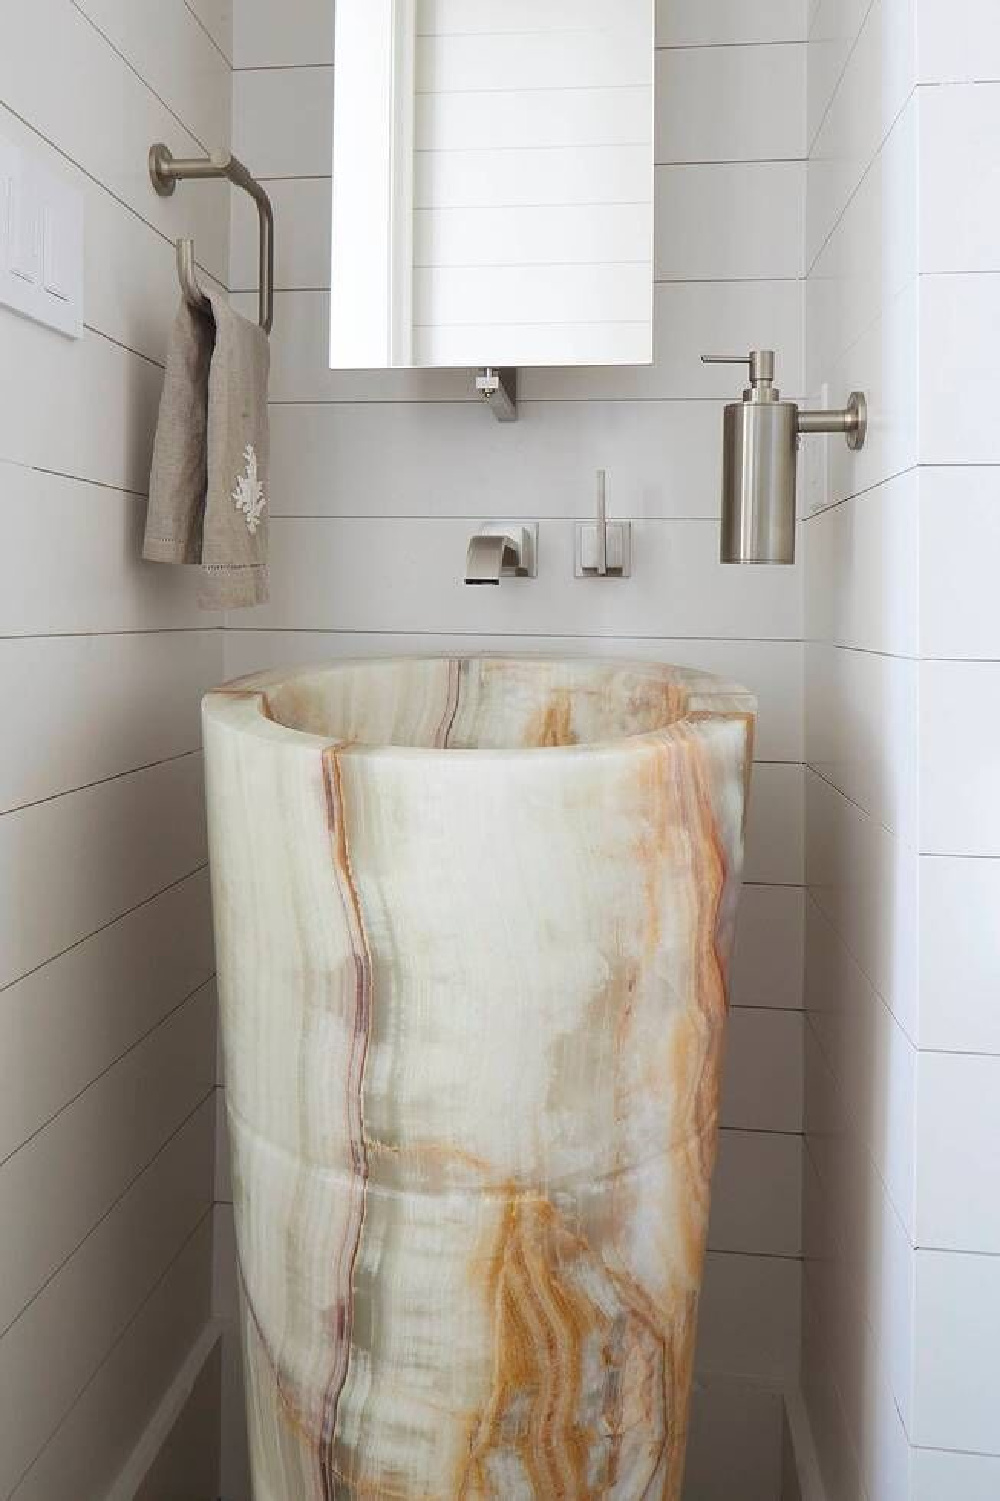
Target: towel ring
(166, 170)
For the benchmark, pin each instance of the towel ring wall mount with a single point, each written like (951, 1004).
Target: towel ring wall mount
(167, 170)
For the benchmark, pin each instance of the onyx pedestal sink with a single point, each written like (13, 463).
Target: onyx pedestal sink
(473, 922)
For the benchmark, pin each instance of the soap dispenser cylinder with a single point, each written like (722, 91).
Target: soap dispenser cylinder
(760, 443)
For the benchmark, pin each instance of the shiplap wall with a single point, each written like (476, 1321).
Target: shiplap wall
(107, 1014)
(532, 201)
(379, 479)
(902, 1305)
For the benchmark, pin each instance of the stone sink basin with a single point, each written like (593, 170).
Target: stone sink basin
(473, 922)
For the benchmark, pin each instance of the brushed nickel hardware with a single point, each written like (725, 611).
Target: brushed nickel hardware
(498, 388)
(502, 549)
(761, 437)
(603, 547)
(167, 170)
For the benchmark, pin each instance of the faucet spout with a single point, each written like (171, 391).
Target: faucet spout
(501, 551)
(486, 558)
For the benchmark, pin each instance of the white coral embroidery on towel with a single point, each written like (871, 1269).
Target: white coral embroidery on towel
(249, 496)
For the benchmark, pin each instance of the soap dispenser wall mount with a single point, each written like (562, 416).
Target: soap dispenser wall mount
(760, 453)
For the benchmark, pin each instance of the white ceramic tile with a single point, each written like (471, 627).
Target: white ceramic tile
(959, 376)
(959, 42)
(302, 240)
(958, 1330)
(59, 1342)
(223, 1166)
(218, 20)
(173, 54)
(724, 221)
(267, 36)
(88, 1156)
(749, 1317)
(85, 1453)
(735, 1440)
(69, 1021)
(730, 104)
(762, 1085)
(959, 954)
(958, 1128)
(283, 120)
(148, 686)
(959, 535)
(721, 22)
(960, 811)
(69, 866)
(862, 730)
(90, 538)
(321, 573)
(833, 31)
(757, 1194)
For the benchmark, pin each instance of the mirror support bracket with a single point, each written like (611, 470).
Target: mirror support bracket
(498, 388)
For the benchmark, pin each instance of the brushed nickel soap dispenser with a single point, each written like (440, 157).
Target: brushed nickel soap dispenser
(760, 451)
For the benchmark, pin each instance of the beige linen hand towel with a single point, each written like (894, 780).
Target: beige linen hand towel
(208, 485)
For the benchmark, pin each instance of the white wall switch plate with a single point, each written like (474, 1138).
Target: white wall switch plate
(41, 242)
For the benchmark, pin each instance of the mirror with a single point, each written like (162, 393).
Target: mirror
(492, 183)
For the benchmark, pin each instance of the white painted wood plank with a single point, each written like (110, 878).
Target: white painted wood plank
(768, 957)
(526, 17)
(86, 1158)
(572, 343)
(763, 1080)
(718, 221)
(71, 563)
(532, 119)
(322, 572)
(64, 80)
(269, 36)
(770, 669)
(749, 1317)
(562, 235)
(73, 864)
(757, 1194)
(82, 407)
(175, 56)
(544, 175)
(731, 104)
(93, 707)
(87, 1449)
(302, 210)
(52, 1352)
(283, 120)
(498, 296)
(725, 22)
(663, 459)
(63, 1025)
(616, 55)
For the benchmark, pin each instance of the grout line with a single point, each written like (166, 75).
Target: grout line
(117, 776)
(840, 77)
(126, 348)
(80, 479)
(119, 917)
(108, 1067)
(110, 1209)
(166, 630)
(880, 484)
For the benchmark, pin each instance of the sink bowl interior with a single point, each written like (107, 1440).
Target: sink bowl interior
(482, 703)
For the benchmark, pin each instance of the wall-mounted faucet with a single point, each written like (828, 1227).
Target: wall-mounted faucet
(502, 550)
(603, 547)
(760, 456)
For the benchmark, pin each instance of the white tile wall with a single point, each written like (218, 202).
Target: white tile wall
(107, 1015)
